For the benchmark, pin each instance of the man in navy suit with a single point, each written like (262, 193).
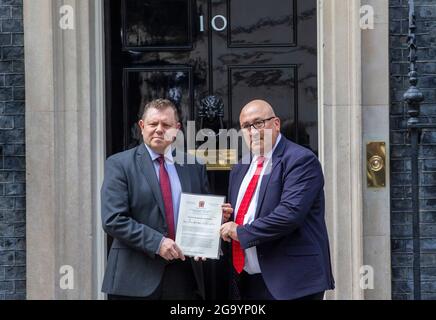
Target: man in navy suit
(280, 246)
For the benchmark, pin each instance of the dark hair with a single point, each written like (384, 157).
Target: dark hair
(159, 104)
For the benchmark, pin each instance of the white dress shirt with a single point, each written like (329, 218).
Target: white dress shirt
(251, 260)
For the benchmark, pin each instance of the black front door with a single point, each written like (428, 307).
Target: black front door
(236, 50)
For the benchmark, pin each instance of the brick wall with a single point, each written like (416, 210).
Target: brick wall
(401, 216)
(12, 160)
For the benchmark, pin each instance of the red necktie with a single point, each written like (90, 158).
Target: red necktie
(238, 253)
(165, 187)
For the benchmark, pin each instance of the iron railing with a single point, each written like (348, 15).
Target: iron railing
(414, 97)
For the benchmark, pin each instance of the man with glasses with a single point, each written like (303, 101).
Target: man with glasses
(280, 247)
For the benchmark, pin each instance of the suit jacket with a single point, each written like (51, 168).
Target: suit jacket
(289, 229)
(133, 214)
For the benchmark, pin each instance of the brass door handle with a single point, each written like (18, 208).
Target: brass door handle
(376, 163)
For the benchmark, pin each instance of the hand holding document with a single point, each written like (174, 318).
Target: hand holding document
(198, 227)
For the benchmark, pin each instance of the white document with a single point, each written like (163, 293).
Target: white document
(198, 226)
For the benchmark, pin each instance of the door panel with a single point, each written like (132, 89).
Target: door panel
(174, 82)
(152, 51)
(274, 81)
(272, 46)
(157, 25)
(255, 24)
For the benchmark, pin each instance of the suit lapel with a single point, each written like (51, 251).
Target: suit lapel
(147, 169)
(239, 176)
(184, 177)
(276, 159)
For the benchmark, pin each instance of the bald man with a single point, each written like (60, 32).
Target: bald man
(280, 246)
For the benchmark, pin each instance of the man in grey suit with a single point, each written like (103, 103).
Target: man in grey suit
(140, 200)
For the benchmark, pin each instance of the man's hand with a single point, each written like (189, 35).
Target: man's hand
(169, 250)
(227, 211)
(228, 231)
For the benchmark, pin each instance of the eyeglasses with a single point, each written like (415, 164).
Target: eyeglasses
(259, 124)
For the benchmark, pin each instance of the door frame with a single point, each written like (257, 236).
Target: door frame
(100, 143)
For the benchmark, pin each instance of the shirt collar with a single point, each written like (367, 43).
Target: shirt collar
(168, 154)
(268, 156)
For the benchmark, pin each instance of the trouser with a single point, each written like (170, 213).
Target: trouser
(178, 283)
(253, 287)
